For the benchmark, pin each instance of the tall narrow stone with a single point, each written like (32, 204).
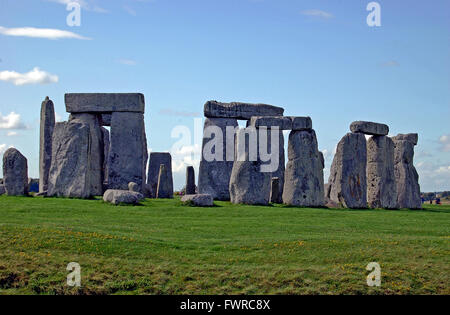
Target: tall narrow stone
(190, 181)
(128, 150)
(70, 171)
(248, 183)
(275, 196)
(381, 186)
(164, 189)
(45, 142)
(347, 184)
(303, 184)
(15, 173)
(214, 173)
(155, 161)
(407, 179)
(106, 144)
(96, 151)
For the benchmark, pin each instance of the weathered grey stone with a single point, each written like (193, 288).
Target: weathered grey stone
(407, 179)
(96, 151)
(369, 128)
(275, 196)
(45, 141)
(154, 165)
(198, 200)
(381, 186)
(248, 184)
(303, 182)
(148, 192)
(117, 197)
(322, 159)
(283, 123)
(236, 110)
(301, 123)
(190, 181)
(164, 189)
(128, 154)
(2, 189)
(106, 144)
(69, 172)
(106, 119)
(133, 187)
(347, 182)
(15, 173)
(33, 185)
(411, 137)
(104, 102)
(214, 176)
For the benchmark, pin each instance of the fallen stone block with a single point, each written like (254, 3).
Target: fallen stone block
(117, 197)
(200, 200)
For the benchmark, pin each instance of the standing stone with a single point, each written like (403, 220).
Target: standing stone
(128, 150)
(214, 176)
(381, 186)
(411, 137)
(275, 196)
(106, 144)
(70, 170)
(303, 184)
(154, 165)
(248, 184)
(45, 142)
(190, 181)
(15, 173)
(407, 179)
(347, 183)
(96, 151)
(165, 188)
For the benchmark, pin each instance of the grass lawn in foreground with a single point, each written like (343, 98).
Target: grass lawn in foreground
(163, 247)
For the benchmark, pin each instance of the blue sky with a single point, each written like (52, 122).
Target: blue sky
(315, 58)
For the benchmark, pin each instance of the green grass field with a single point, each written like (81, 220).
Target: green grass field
(163, 247)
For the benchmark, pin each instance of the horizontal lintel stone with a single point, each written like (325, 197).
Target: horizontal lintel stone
(244, 111)
(369, 128)
(104, 102)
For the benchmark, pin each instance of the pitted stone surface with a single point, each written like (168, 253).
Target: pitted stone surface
(369, 128)
(45, 142)
(104, 102)
(156, 159)
(381, 185)
(347, 182)
(237, 110)
(407, 179)
(303, 183)
(214, 176)
(15, 173)
(198, 200)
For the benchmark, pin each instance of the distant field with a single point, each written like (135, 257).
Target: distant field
(165, 248)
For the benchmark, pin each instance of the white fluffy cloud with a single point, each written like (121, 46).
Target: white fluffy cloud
(35, 76)
(48, 33)
(11, 121)
(433, 176)
(317, 13)
(445, 143)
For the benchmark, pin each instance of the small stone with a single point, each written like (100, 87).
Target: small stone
(369, 128)
(117, 197)
(15, 173)
(200, 200)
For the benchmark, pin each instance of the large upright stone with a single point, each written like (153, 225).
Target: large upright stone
(128, 151)
(236, 110)
(248, 183)
(347, 184)
(104, 102)
(381, 186)
(411, 137)
(164, 189)
(156, 160)
(190, 181)
(369, 128)
(106, 144)
(69, 172)
(15, 173)
(214, 174)
(96, 151)
(407, 179)
(303, 183)
(45, 142)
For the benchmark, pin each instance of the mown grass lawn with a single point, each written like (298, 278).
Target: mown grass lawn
(163, 247)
